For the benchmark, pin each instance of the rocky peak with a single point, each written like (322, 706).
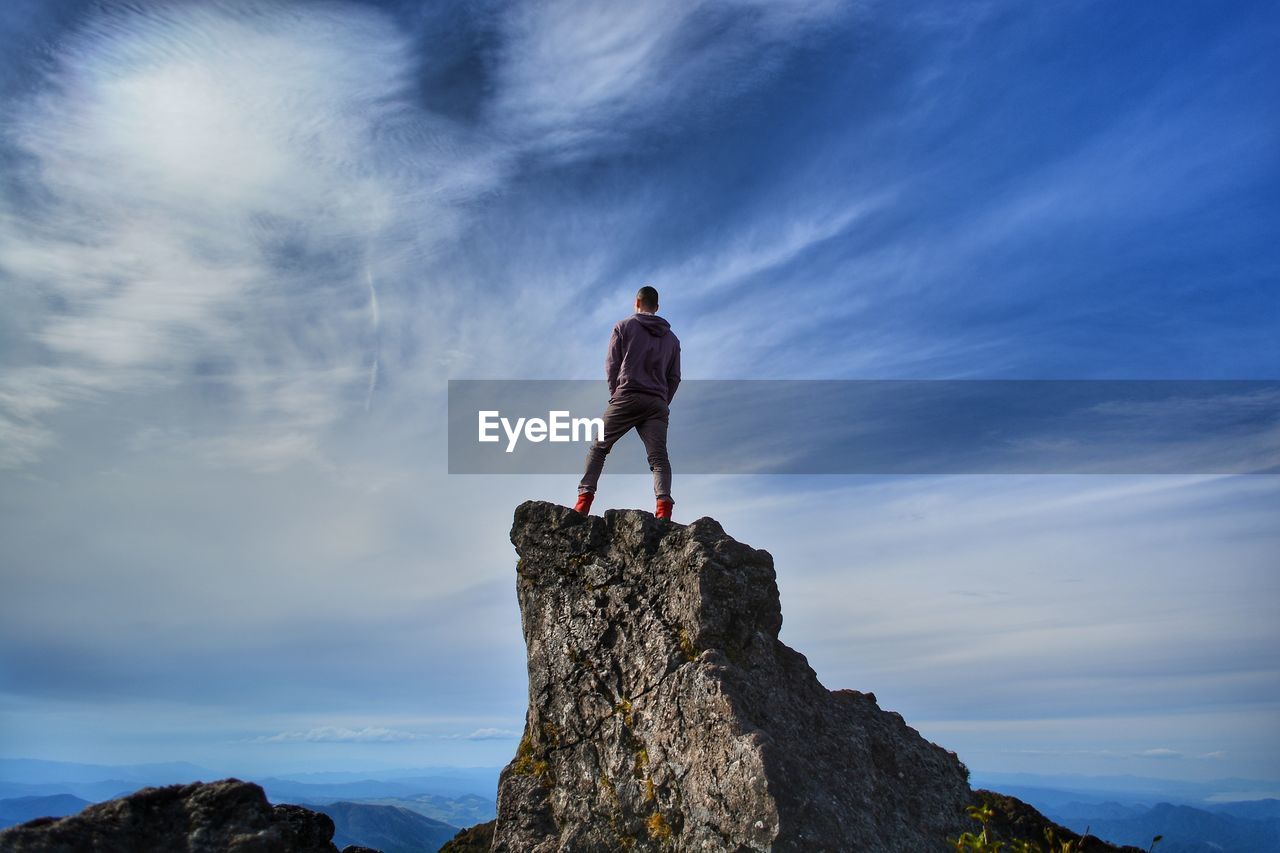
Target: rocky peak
(664, 713)
(229, 816)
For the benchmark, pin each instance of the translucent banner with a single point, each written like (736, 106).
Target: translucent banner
(910, 427)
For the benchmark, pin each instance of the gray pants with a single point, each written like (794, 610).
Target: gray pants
(648, 414)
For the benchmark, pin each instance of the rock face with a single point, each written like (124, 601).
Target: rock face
(211, 817)
(664, 713)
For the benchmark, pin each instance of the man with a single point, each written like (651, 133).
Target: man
(643, 369)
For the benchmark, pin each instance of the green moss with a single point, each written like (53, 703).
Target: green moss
(641, 770)
(642, 762)
(624, 708)
(686, 644)
(526, 762)
(659, 829)
(523, 763)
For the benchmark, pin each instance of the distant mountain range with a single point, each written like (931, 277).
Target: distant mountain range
(1184, 829)
(414, 810)
(390, 829)
(363, 789)
(28, 777)
(98, 782)
(467, 810)
(446, 781)
(421, 808)
(1045, 790)
(22, 809)
(36, 771)
(1133, 810)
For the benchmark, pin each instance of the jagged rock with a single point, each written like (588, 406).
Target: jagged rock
(1013, 820)
(476, 839)
(664, 712)
(211, 817)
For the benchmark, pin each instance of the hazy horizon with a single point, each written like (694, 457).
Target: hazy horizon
(41, 771)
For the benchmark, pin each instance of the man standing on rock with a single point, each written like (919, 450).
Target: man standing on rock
(643, 369)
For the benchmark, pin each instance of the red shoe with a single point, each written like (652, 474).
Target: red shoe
(664, 508)
(583, 506)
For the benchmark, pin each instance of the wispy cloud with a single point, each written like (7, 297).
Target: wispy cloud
(215, 185)
(491, 734)
(222, 186)
(576, 77)
(376, 734)
(1159, 752)
(338, 734)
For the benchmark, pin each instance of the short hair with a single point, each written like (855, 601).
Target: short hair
(647, 297)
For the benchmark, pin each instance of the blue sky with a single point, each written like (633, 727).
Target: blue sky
(244, 245)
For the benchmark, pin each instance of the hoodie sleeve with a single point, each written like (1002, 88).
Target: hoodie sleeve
(613, 360)
(673, 373)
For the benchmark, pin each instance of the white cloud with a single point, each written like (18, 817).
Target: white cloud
(577, 75)
(222, 185)
(215, 187)
(1159, 752)
(339, 734)
(492, 734)
(375, 734)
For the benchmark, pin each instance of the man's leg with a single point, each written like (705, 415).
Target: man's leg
(619, 416)
(653, 432)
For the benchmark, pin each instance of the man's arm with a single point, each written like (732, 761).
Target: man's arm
(613, 361)
(673, 374)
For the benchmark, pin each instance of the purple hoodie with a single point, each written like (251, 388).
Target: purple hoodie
(643, 357)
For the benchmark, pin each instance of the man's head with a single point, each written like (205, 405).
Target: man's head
(647, 299)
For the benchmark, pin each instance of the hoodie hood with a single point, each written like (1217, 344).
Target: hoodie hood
(653, 324)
